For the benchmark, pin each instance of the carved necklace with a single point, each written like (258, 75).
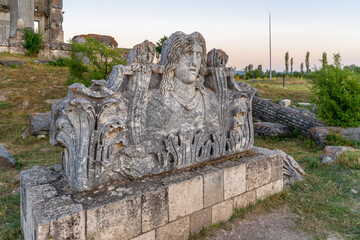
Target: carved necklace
(187, 105)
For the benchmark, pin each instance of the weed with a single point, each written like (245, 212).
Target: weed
(33, 42)
(350, 159)
(336, 139)
(5, 105)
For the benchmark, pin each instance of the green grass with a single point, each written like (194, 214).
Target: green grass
(10, 226)
(297, 90)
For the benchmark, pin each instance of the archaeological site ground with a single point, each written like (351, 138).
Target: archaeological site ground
(113, 143)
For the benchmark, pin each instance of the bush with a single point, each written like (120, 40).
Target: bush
(33, 42)
(336, 94)
(61, 62)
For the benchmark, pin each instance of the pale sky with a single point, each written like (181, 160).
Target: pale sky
(240, 28)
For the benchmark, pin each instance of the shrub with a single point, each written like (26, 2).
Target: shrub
(61, 62)
(33, 42)
(336, 93)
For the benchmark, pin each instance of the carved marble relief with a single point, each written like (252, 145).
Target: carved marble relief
(150, 118)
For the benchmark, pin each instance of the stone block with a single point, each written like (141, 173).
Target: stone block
(155, 210)
(285, 102)
(276, 168)
(257, 173)
(200, 219)
(118, 220)
(146, 236)
(45, 215)
(277, 186)
(6, 160)
(245, 199)
(40, 123)
(234, 181)
(8, 63)
(223, 211)
(264, 191)
(185, 197)
(168, 206)
(177, 230)
(213, 187)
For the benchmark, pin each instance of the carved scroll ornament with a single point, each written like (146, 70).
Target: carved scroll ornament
(148, 118)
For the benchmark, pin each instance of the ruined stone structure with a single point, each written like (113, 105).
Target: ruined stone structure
(107, 40)
(276, 113)
(123, 138)
(45, 16)
(147, 119)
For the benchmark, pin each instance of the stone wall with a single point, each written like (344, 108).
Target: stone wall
(273, 112)
(170, 206)
(50, 51)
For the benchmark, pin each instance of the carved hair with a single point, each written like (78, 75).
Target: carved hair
(177, 42)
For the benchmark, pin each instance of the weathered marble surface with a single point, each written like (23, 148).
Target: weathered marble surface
(147, 118)
(167, 206)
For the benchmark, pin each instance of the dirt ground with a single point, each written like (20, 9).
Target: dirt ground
(278, 224)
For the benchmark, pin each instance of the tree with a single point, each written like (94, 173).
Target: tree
(100, 57)
(287, 62)
(324, 60)
(307, 62)
(353, 68)
(291, 65)
(337, 60)
(302, 69)
(158, 47)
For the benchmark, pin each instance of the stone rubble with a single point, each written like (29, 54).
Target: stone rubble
(320, 134)
(40, 123)
(331, 153)
(6, 160)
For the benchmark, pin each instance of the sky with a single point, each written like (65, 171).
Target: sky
(240, 28)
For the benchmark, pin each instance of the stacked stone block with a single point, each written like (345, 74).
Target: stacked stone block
(171, 206)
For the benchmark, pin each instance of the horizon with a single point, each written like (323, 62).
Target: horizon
(324, 26)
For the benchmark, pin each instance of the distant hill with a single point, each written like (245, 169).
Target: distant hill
(240, 72)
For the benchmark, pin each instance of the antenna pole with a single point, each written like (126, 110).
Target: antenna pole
(270, 41)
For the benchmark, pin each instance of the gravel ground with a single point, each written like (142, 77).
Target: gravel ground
(277, 225)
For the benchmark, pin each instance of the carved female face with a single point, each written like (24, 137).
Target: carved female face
(189, 62)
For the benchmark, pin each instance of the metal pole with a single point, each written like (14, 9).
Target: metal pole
(270, 41)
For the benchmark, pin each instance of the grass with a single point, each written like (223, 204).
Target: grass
(25, 89)
(323, 200)
(295, 89)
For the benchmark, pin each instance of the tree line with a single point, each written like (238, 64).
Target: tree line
(255, 73)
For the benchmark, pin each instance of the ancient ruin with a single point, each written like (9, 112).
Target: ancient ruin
(45, 16)
(147, 118)
(158, 151)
